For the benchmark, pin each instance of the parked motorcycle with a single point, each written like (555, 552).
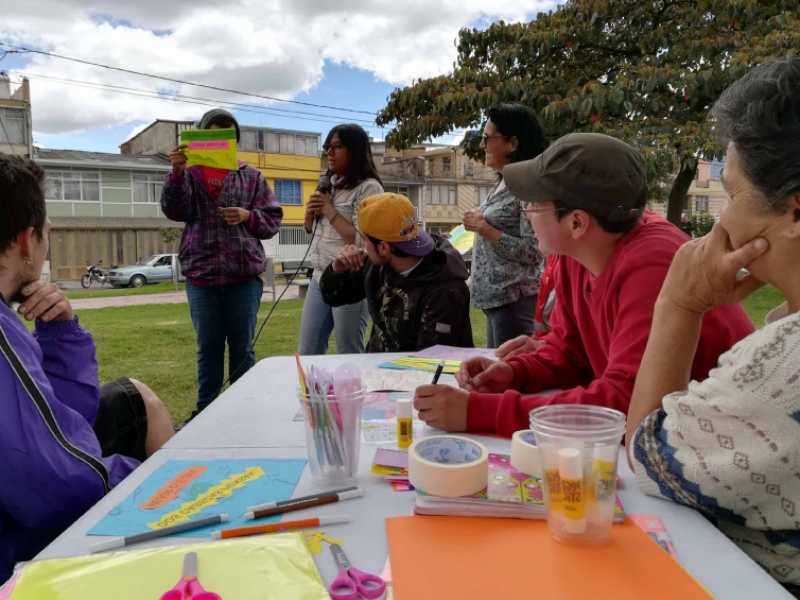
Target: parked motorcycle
(95, 273)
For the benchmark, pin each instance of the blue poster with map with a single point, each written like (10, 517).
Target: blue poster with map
(180, 491)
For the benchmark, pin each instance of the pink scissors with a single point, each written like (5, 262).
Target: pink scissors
(350, 583)
(188, 587)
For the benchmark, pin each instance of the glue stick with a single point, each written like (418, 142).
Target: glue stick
(553, 478)
(602, 484)
(570, 467)
(405, 431)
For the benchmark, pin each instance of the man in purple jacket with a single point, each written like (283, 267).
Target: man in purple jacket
(227, 214)
(64, 441)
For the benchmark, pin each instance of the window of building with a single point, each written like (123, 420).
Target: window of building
(12, 126)
(146, 188)
(309, 146)
(482, 193)
(248, 141)
(701, 204)
(72, 186)
(441, 194)
(258, 140)
(396, 189)
(289, 192)
(447, 163)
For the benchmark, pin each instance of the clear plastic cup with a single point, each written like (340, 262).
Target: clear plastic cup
(333, 436)
(579, 447)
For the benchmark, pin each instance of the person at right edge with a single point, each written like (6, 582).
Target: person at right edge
(585, 197)
(332, 220)
(506, 264)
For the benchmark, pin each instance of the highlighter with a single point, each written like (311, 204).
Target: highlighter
(405, 431)
(573, 503)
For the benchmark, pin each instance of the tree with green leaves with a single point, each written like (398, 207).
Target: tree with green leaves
(646, 71)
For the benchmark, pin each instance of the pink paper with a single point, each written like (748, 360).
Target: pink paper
(391, 458)
(453, 353)
(8, 588)
(210, 145)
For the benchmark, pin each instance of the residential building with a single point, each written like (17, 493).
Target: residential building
(102, 207)
(454, 184)
(706, 194)
(16, 129)
(440, 180)
(289, 160)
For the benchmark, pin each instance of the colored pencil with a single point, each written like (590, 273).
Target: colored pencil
(273, 527)
(277, 508)
(121, 542)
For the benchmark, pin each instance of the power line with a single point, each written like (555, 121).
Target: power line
(211, 103)
(182, 98)
(16, 49)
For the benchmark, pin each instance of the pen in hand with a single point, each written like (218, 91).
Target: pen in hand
(438, 373)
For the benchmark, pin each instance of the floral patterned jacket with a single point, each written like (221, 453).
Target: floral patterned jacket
(511, 270)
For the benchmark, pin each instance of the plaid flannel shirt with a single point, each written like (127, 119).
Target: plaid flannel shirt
(211, 250)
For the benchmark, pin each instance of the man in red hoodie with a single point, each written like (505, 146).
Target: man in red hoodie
(585, 198)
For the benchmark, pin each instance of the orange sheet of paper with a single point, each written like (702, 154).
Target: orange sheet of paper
(460, 557)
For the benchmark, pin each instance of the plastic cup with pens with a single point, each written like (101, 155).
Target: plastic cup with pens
(579, 447)
(331, 406)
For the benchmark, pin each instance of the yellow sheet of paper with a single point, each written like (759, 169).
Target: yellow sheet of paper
(274, 567)
(211, 148)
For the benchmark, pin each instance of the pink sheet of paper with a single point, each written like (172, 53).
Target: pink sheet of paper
(453, 353)
(8, 588)
(391, 458)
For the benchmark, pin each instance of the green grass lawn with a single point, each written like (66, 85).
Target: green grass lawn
(156, 343)
(107, 291)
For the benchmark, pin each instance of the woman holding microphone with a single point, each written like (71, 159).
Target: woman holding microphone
(506, 264)
(332, 219)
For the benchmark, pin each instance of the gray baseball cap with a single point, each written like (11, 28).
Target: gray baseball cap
(593, 172)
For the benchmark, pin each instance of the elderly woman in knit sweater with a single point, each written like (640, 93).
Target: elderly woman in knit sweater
(729, 446)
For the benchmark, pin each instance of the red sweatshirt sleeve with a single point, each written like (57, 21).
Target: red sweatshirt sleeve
(633, 302)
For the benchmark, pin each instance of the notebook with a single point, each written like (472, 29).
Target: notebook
(509, 493)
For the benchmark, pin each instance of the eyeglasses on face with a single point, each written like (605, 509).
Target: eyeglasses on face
(336, 147)
(530, 207)
(486, 138)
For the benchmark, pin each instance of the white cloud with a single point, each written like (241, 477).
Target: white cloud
(269, 47)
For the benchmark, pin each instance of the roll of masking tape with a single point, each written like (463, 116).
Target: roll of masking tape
(525, 454)
(448, 465)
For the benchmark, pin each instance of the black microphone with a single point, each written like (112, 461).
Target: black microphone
(323, 187)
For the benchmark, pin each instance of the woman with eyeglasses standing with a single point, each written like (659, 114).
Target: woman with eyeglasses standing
(506, 263)
(333, 221)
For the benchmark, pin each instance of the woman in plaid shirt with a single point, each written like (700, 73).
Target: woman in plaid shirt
(227, 214)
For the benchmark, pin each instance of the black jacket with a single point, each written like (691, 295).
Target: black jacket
(430, 306)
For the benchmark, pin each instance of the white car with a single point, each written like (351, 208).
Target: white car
(155, 269)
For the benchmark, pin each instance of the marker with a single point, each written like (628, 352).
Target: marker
(277, 508)
(121, 542)
(438, 373)
(273, 527)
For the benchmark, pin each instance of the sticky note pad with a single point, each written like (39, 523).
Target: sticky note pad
(518, 559)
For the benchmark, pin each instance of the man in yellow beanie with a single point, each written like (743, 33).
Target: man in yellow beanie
(415, 283)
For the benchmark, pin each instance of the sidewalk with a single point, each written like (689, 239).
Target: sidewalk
(167, 298)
